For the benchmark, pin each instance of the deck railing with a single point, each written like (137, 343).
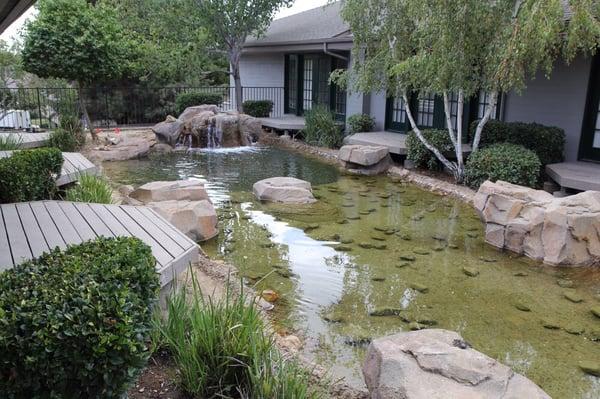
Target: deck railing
(115, 106)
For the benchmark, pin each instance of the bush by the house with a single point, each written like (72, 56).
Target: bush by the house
(361, 123)
(90, 188)
(221, 350)
(508, 162)
(420, 155)
(548, 142)
(75, 323)
(29, 175)
(193, 99)
(321, 128)
(258, 108)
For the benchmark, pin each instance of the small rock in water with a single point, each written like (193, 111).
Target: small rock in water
(520, 274)
(419, 287)
(595, 311)
(439, 237)
(488, 260)
(523, 307)
(550, 324)
(573, 297)
(452, 246)
(380, 228)
(384, 205)
(347, 205)
(417, 218)
(565, 283)
(470, 271)
(472, 235)
(574, 329)
(358, 341)
(590, 367)
(285, 273)
(380, 246)
(343, 248)
(385, 312)
(365, 245)
(378, 279)
(439, 248)
(356, 217)
(334, 317)
(389, 232)
(414, 326)
(409, 258)
(346, 240)
(403, 264)
(378, 237)
(342, 221)
(405, 236)
(364, 212)
(421, 251)
(269, 296)
(267, 245)
(312, 226)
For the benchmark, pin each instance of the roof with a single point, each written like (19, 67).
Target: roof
(11, 10)
(318, 24)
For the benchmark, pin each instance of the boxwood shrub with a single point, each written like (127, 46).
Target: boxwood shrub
(508, 162)
(420, 155)
(548, 142)
(321, 128)
(74, 324)
(361, 123)
(29, 175)
(258, 108)
(193, 99)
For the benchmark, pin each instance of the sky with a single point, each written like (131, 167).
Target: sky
(298, 6)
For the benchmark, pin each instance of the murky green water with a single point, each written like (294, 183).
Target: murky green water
(375, 257)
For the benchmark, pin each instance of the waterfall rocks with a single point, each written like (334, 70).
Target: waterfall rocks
(184, 203)
(365, 159)
(205, 127)
(288, 190)
(432, 363)
(557, 231)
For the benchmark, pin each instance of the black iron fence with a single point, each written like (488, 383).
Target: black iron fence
(23, 108)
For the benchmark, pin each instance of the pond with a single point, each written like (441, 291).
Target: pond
(375, 256)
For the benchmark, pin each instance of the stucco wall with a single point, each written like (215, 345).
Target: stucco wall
(558, 101)
(262, 70)
(378, 102)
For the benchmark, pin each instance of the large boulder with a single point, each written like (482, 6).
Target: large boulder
(287, 190)
(168, 131)
(431, 363)
(365, 159)
(191, 112)
(180, 190)
(557, 231)
(130, 148)
(196, 219)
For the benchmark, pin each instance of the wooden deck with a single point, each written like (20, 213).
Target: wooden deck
(286, 122)
(74, 165)
(580, 176)
(29, 229)
(29, 140)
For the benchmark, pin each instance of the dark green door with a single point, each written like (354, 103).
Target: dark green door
(589, 147)
(395, 115)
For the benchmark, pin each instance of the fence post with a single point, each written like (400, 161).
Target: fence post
(39, 101)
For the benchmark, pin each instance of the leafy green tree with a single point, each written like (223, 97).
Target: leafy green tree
(76, 41)
(230, 22)
(461, 47)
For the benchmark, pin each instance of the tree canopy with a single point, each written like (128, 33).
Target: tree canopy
(461, 47)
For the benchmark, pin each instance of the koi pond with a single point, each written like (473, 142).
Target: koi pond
(376, 256)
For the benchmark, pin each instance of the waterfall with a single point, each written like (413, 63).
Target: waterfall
(214, 136)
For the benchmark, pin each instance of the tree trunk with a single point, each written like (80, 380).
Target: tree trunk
(484, 120)
(234, 61)
(86, 116)
(451, 167)
(460, 164)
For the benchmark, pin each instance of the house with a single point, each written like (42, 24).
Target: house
(298, 52)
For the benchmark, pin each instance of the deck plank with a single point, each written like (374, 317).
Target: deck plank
(67, 230)
(49, 229)
(110, 220)
(5, 255)
(19, 247)
(29, 140)
(79, 223)
(35, 237)
(97, 225)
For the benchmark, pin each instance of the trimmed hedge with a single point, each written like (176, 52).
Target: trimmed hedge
(29, 175)
(193, 99)
(321, 128)
(361, 123)
(258, 108)
(508, 162)
(75, 323)
(420, 155)
(548, 142)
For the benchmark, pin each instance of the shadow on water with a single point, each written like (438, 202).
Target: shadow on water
(374, 257)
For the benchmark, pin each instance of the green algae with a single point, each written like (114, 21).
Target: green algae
(336, 295)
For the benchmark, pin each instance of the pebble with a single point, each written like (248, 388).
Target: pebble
(269, 295)
(550, 324)
(452, 246)
(364, 212)
(565, 283)
(343, 248)
(382, 312)
(380, 246)
(405, 236)
(522, 307)
(346, 240)
(365, 245)
(419, 287)
(285, 273)
(333, 318)
(414, 326)
(401, 265)
(472, 235)
(421, 251)
(378, 279)
(342, 221)
(488, 260)
(590, 367)
(595, 311)
(354, 217)
(470, 271)
(520, 274)
(409, 258)
(573, 297)
(378, 237)
(574, 329)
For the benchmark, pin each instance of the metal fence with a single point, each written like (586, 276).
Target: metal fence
(23, 108)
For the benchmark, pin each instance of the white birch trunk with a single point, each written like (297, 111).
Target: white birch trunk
(486, 117)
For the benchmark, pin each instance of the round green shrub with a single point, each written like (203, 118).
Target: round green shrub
(64, 140)
(258, 108)
(29, 175)
(508, 162)
(361, 123)
(192, 99)
(74, 324)
(321, 128)
(420, 155)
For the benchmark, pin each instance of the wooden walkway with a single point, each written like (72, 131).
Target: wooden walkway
(74, 165)
(29, 140)
(581, 176)
(28, 229)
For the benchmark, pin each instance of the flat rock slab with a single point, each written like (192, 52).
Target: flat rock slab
(130, 148)
(196, 219)
(364, 155)
(181, 190)
(435, 363)
(288, 190)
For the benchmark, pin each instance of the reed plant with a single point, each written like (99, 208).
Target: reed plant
(90, 188)
(10, 142)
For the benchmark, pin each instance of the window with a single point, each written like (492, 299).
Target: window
(453, 100)
(484, 102)
(596, 142)
(425, 110)
(398, 110)
(292, 80)
(308, 84)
